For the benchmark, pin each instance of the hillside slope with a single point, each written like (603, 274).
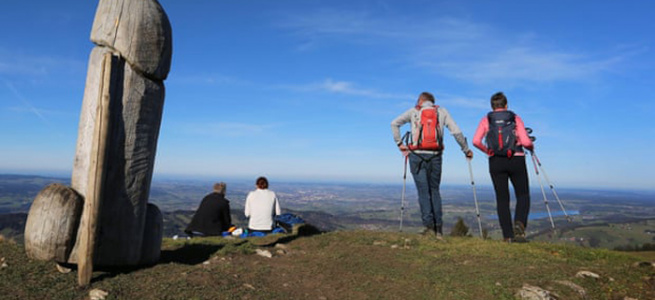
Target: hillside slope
(345, 265)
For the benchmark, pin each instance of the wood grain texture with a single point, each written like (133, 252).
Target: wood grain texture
(52, 222)
(139, 30)
(152, 238)
(137, 35)
(137, 106)
(96, 176)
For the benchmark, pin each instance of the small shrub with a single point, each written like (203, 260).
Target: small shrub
(460, 228)
(594, 242)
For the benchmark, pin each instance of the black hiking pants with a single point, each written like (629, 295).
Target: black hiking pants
(503, 169)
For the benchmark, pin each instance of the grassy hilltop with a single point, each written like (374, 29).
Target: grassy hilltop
(345, 265)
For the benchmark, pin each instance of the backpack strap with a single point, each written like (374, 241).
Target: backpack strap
(512, 115)
(418, 107)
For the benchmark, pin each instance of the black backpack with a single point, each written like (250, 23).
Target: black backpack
(501, 137)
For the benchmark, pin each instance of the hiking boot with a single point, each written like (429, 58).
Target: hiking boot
(427, 231)
(438, 233)
(519, 233)
(519, 228)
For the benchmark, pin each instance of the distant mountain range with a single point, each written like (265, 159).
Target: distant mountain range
(332, 207)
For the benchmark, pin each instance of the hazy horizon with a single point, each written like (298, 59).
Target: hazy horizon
(163, 178)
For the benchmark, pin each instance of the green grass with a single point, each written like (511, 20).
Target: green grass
(607, 236)
(346, 264)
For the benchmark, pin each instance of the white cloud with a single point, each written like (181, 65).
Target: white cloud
(456, 48)
(27, 105)
(205, 79)
(520, 64)
(326, 23)
(350, 88)
(330, 85)
(20, 64)
(460, 101)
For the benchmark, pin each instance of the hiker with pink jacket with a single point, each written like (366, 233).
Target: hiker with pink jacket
(505, 140)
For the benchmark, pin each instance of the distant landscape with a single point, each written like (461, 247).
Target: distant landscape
(600, 218)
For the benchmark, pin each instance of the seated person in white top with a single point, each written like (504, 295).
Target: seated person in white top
(261, 207)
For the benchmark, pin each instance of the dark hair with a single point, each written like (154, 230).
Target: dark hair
(498, 100)
(262, 183)
(427, 96)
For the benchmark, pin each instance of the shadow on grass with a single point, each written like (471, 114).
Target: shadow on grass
(193, 254)
(302, 230)
(190, 254)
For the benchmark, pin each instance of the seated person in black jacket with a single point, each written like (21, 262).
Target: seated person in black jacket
(213, 214)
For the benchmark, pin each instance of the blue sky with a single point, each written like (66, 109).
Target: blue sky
(306, 90)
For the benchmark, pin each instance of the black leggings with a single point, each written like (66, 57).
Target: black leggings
(514, 169)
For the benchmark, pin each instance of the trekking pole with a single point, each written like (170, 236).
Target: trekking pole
(552, 188)
(402, 197)
(543, 192)
(475, 198)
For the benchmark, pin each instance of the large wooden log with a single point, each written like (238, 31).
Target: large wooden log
(90, 102)
(52, 223)
(96, 175)
(152, 236)
(137, 34)
(139, 30)
(137, 105)
(133, 156)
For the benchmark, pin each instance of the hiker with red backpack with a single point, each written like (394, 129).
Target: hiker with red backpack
(505, 138)
(424, 148)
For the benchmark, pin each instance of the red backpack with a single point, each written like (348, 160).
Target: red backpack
(428, 135)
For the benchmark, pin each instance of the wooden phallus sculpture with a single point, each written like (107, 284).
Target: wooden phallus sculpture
(116, 146)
